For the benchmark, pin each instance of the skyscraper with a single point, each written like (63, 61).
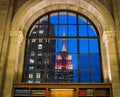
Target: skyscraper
(40, 57)
(63, 65)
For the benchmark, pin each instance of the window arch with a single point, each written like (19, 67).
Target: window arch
(62, 46)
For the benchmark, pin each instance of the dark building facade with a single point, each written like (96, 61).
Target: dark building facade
(40, 58)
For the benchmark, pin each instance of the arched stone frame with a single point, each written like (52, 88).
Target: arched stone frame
(102, 20)
(32, 9)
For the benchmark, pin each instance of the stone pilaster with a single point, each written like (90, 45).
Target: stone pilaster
(109, 39)
(16, 38)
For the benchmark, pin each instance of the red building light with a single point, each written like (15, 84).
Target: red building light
(64, 59)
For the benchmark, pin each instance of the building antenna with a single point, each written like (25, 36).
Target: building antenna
(64, 42)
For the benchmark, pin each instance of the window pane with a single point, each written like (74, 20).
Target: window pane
(54, 18)
(72, 30)
(75, 76)
(62, 30)
(44, 19)
(71, 18)
(31, 68)
(56, 30)
(63, 18)
(70, 44)
(83, 46)
(83, 30)
(30, 80)
(58, 45)
(94, 61)
(31, 61)
(82, 20)
(84, 76)
(84, 62)
(93, 46)
(96, 76)
(50, 76)
(91, 31)
(75, 61)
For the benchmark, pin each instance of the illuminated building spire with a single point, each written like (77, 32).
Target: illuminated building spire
(64, 43)
(63, 65)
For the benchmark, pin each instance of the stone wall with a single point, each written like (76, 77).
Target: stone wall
(4, 5)
(117, 23)
(116, 8)
(4, 34)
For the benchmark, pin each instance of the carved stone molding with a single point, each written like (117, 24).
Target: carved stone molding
(108, 37)
(17, 36)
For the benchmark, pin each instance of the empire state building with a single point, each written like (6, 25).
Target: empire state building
(63, 65)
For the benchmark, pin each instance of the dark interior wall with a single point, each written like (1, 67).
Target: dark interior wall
(18, 4)
(108, 5)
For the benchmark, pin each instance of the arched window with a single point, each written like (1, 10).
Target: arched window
(62, 46)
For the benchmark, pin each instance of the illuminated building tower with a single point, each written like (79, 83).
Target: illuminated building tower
(63, 65)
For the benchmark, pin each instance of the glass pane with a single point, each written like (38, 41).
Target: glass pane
(63, 18)
(56, 30)
(50, 76)
(40, 65)
(32, 30)
(94, 61)
(58, 45)
(38, 80)
(91, 31)
(54, 18)
(93, 46)
(71, 18)
(44, 19)
(83, 30)
(72, 44)
(84, 76)
(69, 50)
(96, 76)
(30, 80)
(75, 77)
(72, 30)
(83, 46)
(75, 61)
(30, 68)
(62, 30)
(82, 20)
(84, 62)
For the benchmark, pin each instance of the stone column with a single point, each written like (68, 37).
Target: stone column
(16, 38)
(109, 39)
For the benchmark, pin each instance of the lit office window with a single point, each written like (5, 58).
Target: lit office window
(62, 46)
(40, 31)
(40, 46)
